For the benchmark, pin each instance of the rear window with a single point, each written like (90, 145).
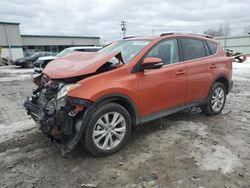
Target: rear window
(192, 48)
(212, 46)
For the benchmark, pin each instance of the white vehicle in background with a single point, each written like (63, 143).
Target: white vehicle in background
(41, 62)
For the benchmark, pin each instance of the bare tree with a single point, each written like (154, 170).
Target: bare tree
(223, 30)
(227, 29)
(211, 32)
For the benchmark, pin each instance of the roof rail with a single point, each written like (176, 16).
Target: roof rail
(181, 32)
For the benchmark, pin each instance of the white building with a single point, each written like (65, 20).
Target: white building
(14, 45)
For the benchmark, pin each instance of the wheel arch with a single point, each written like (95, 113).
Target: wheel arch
(124, 101)
(224, 80)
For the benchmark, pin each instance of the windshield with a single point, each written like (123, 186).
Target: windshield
(64, 52)
(129, 49)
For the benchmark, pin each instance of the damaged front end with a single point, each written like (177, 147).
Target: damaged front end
(57, 115)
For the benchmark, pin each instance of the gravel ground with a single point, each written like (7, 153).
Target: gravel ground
(187, 149)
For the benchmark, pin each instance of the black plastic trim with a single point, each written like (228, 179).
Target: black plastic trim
(169, 111)
(74, 140)
(218, 77)
(31, 107)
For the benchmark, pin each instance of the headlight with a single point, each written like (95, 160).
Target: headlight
(66, 89)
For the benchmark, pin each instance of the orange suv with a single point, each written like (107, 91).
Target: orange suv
(97, 97)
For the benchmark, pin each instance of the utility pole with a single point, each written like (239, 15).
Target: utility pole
(123, 24)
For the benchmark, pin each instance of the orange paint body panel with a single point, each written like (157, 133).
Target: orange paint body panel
(151, 91)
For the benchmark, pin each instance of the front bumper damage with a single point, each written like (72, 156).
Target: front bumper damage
(63, 120)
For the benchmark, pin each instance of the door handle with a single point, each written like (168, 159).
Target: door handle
(212, 66)
(180, 72)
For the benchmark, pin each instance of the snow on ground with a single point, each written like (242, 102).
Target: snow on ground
(241, 71)
(12, 73)
(12, 69)
(210, 157)
(206, 155)
(18, 128)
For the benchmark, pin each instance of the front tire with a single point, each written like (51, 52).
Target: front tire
(216, 100)
(108, 130)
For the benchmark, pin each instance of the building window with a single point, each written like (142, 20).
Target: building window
(39, 49)
(54, 49)
(47, 48)
(60, 48)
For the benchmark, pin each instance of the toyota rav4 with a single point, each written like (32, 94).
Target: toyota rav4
(97, 97)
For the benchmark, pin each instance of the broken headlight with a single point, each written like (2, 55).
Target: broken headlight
(66, 89)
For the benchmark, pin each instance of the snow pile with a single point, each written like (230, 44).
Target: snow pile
(217, 158)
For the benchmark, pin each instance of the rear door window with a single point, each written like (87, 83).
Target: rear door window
(192, 48)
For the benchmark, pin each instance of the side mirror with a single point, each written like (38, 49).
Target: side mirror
(151, 63)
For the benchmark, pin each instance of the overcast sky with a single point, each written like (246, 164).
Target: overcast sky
(103, 17)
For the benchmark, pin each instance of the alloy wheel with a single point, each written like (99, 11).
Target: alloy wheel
(109, 130)
(218, 99)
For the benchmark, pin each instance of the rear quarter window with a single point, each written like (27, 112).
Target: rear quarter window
(212, 46)
(192, 48)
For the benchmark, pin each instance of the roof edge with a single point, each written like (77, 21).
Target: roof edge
(10, 23)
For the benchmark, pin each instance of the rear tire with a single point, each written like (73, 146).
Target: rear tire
(108, 130)
(216, 100)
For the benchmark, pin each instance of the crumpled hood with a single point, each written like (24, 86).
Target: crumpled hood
(77, 64)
